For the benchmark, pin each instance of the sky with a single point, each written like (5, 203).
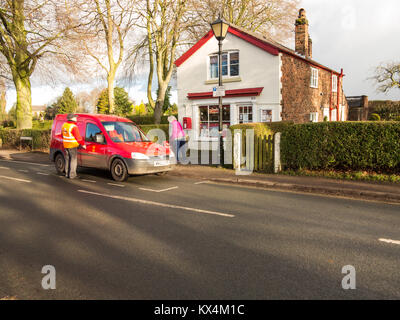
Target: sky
(356, 35)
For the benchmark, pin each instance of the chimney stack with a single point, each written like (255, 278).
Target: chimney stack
(303, 40)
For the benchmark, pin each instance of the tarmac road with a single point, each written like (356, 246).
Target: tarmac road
(177, 238)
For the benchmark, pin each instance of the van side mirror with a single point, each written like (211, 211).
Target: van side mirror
(100, 138)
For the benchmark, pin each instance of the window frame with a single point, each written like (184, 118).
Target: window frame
(334, 83)
(261, 115)
(228, 53)
(86, 131)
(314, 78)
(247, 106)
(224, 122)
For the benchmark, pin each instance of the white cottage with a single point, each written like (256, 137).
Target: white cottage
(264, 81)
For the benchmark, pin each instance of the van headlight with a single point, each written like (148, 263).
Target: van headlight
(139, 156)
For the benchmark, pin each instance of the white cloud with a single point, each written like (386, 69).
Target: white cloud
(357, 36)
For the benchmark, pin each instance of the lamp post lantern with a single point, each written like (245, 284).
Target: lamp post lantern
(220, 29)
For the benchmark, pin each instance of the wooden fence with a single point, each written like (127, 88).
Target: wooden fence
(262, 155)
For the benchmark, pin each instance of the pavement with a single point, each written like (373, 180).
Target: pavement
(366, 190)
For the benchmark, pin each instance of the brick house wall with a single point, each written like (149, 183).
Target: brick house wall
(299, 99)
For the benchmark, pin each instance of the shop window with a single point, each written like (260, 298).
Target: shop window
(266, 115)
(245, 114)
(209, 120)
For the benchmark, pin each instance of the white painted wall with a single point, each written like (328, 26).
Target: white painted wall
(257, 68)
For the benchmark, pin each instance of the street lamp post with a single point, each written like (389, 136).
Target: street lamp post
(220, 29)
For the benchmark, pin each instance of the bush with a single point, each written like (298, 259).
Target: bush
(375, 117)
(42, 125)
(342, 146)
(387, 110)
(11, 138)
(147, 119)
(262, 129)
(164, 127)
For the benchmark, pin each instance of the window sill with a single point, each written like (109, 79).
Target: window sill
(226, 80)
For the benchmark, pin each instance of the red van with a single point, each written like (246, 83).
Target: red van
(113, 143)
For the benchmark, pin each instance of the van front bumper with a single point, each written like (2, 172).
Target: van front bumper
(136, 166)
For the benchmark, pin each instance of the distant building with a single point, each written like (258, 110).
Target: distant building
(264, 81)
(36, 110)
(358, 108)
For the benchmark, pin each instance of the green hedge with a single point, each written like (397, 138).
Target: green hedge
(10, 138)
(147, 120)
(387, 110)
(164, 127)
(342, 146)
(262, 129)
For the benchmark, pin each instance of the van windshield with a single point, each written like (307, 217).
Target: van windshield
(124, 132)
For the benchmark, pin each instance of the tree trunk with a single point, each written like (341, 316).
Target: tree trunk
(24, 102)
(159, 103)
(111, 98)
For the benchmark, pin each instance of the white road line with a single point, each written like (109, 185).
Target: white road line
(42, 173)
(116, 185)
(202, 182)
(86, 180)
(163, 190)
(159, 204)
(390, 241)
(35, 164)
(15, 179)
(5, 168)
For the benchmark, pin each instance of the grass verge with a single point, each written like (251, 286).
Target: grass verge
(346, 175)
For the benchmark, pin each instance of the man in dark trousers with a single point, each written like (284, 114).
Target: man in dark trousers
(71, 141)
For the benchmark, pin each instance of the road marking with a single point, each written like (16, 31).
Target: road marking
(390, 241)
(15, 179)
(163, 190)
(117, 185)
(5, 168)
(35, 164)
(42, 173)
(23, 171)
(159, 204)
(202, 182)
(86, 180)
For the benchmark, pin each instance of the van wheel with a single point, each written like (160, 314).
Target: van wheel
(119, 171)
(60, 164)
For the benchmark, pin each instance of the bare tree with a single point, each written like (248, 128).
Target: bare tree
(271, 18)
(30, 31)
(109, 23)
(164, 21)
(87, 100)
(387, 76)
